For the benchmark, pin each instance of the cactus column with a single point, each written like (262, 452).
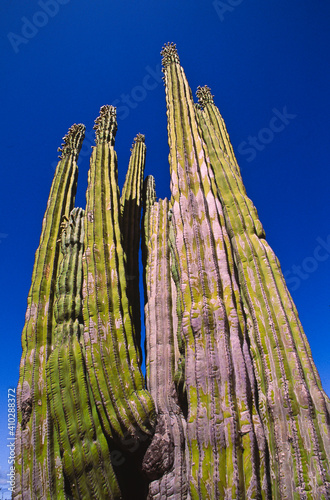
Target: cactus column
(222, 422)
(83, 448)
(130, 202)
(38, 474)
(165, 460)
(233, 406)
(293, 405)
(125, 407)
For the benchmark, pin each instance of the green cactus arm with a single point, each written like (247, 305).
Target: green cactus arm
(84, 450)
(130, 204)
(292, 405)
(37, 471)
(149, 277)
(164, 462)
(125, 407)
(217, 384)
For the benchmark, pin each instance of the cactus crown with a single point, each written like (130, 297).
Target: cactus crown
(72, 141)
(106, 125)
(204, 95)
(169, 54)
(138, 138)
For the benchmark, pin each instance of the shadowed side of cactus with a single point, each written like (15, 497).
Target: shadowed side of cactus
(223, 424)
(125, 407)
(164, 461)
(293, 406)
(38, 471)
(130, 203)
(84, 449)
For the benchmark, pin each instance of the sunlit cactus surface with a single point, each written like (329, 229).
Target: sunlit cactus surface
(231, 405)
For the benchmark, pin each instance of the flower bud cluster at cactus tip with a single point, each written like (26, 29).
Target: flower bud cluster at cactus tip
(204, 95)
(106, 125)
(138, 138)
(72, 140)
(169, 54)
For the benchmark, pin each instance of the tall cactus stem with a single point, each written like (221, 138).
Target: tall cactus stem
(125, 407)
(149, 198)
(165, 461)
(84, 449)
(38, 472)
(130, 203)
(292, 404)
(216, 375)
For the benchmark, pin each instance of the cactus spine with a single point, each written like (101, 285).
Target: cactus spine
(232, 406)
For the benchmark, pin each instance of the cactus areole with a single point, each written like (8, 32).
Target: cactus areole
(232, 406)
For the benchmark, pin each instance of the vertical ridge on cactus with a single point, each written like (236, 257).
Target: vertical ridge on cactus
(232, 406)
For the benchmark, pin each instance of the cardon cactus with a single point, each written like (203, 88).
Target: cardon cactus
(232, 406)
(84, 450)
(291, 401)
(37, 450)
(125, 407)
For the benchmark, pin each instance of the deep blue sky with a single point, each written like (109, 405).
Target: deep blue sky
(259, 58)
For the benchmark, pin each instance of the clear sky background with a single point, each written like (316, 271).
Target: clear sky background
(264, 61)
